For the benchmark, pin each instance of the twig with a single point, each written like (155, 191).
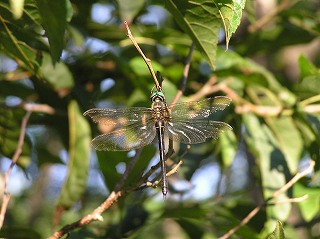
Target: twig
(243, 222)
(40, 108)
(183, 82)
(275, 195)
(271, 16)
(243, 106)
(94, 216)
(147, 60)
(6, 194)
(295, 179)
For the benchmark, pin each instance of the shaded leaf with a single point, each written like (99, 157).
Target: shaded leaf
(18, 50)
(79, 152)
(19, 232)
(54, 15)
(10, 129)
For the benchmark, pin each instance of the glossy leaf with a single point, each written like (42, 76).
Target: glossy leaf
(78, 164)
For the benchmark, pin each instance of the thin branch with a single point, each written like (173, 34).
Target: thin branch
(274, 196)
(242, 223)
(94, 216)
(183, 82)
(147, 60)
(6, 194)
(243, 106)
(40, 108)
(295, 179)
(270, 16)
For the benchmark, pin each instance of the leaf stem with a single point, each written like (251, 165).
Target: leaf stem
(147, 60)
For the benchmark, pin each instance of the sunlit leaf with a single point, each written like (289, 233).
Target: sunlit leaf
(270, 160)
(17, 8)
(231, 12)
(278, 232)
(202, 21)
(228, 145)
(310, 207)
(288, 139)
(58, 75)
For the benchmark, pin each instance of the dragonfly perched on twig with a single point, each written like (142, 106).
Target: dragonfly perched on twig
(137, 127)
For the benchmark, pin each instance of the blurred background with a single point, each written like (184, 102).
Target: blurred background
(59, 59)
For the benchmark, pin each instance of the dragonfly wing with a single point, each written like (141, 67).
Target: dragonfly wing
(199, 109)
(195, 131)
(120, 117)
(132, 136)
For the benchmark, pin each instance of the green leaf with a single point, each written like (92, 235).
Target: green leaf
(128, 9)
(278, 232)
(201, 20)
(10, 129)
(17, 8)
(79, 152)
(307, 68)
(18, 50)
(238, 6)
(54, 15)
(289, 140)
(231, 12)
(58, 75)
(271, 162)
(310, 207)
(228, 145)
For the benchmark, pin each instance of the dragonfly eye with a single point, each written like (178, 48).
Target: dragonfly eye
(157, 94)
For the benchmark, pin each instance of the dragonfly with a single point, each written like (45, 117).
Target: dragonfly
(136, 127)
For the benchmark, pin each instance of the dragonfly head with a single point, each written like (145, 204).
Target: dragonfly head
(157, 95)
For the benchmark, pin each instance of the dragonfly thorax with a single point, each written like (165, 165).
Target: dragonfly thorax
(159, 108)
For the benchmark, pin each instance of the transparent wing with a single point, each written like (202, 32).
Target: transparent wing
(130, 137)
(199, 109)
(125, 116)
(195, 131)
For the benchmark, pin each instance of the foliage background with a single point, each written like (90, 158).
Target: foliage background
(60, 58)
